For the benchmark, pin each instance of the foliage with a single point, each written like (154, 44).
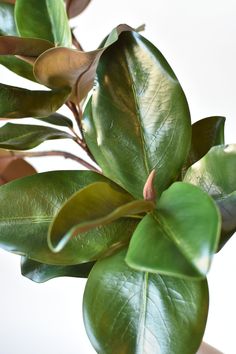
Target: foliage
(144, 224)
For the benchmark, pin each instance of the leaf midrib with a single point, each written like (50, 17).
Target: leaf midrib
(138, 115)
(170, 235)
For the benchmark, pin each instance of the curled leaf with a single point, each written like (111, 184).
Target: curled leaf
(96, 205)
(60, 67)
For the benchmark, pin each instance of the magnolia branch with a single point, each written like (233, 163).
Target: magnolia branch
(66, 155)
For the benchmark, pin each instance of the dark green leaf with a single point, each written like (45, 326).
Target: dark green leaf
(126, 311)
(40, 272)
(131, 121)
(75, 7)
(25, 136)
(61, 67)
(57, 119)
(180, 238)
(215, 173)
(45, 19)
(206, 133)
(7, 21)
(29, 207)
(32, 47)
(95, 205)
(18, 66)
(19, 103)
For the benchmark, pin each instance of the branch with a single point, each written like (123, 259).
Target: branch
(65, 154)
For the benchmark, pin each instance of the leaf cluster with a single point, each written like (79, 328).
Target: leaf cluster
(159, 198)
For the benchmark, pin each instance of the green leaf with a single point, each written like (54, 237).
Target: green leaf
(59, 67)
(215, 173)
(31, 47)
(130, 123)
(206, 133)
(95, 205)
(29, 207)
(40, 272)
(19, 103)
(57, 119)
(180, 238)
(25, 136)
(75, 7)
(18, 66)
(126, 311)
(47, 20)
(7, 21)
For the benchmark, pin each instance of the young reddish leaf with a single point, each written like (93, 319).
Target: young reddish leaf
(75, 7)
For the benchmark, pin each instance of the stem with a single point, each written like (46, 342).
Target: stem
(75, 41)
(65, 154)
(77, 112)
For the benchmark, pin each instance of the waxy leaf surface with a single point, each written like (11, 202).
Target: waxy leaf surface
(45, 19)
(19, 103)
(130, 123)
(126, 311)
(96, 205)
(57, 119)
(25, 136)
(7, 21)
(40, 272)
(180, 237)
(215, 173)
(29, 207)
(60, 67)
(206, 133)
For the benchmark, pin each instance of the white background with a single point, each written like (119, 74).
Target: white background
(198, 40)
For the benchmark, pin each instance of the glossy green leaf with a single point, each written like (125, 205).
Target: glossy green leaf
(40, 272)
(96, 205)
(75, 7)
(25, 136)
(7, 21)
(57, 119)
(215, 173)
(180, 238)
(131, 121)
(18, 66)
(32, 47)
(206, 133)
(60, 67)
(127, 311)
(19, 103)
(47, 20)
(29, 207)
